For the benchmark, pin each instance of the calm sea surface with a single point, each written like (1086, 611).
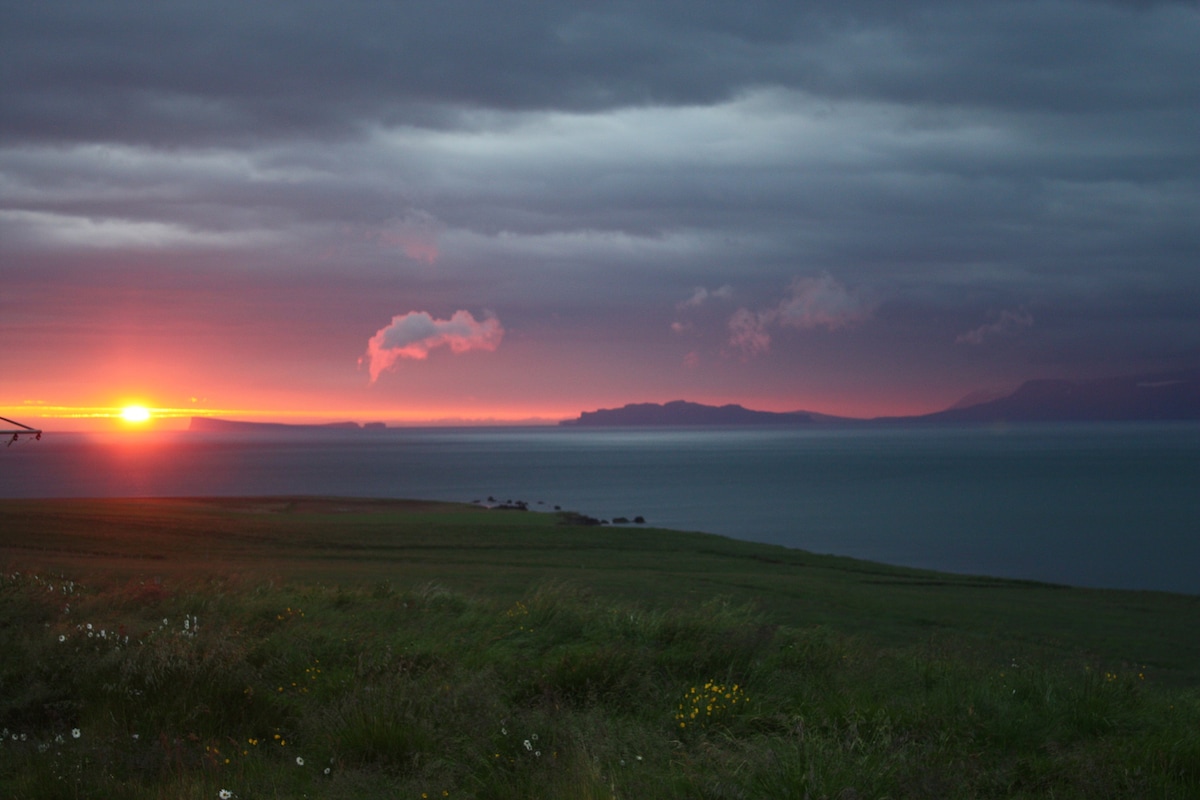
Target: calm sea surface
(1089, 505)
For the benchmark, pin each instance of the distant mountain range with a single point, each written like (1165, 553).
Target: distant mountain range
(1158, 396)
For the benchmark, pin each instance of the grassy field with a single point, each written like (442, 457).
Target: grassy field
(314, 647)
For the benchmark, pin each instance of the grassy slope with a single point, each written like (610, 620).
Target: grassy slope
(505, 553)
(413, 648)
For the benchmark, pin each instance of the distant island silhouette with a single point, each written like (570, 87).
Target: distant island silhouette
(1147, 397)
(681, 412)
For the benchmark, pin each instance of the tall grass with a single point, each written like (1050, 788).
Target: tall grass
(160, 690)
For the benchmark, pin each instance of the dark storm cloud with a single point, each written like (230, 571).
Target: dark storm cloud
(966, 166)
(196, 72)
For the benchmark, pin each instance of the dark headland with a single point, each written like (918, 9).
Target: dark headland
(1162, 397)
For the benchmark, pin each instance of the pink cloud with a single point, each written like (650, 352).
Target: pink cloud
(810, 303)
(822, 303)
(748, 331)
(414, 334)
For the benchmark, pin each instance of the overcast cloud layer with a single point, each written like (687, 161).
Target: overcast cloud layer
(856, 207)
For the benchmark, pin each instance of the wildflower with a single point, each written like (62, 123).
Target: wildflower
(528, 745)
(76, 733)
(327, 770)
(224, 794)
(299, 761)
(62, 637)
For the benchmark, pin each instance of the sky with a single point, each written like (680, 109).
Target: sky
(490, 211)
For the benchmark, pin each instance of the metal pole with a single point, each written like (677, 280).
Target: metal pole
(24, 430)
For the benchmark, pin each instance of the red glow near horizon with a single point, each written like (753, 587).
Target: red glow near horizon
(139, 417)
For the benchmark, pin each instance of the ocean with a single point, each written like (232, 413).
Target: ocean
(1098, 505)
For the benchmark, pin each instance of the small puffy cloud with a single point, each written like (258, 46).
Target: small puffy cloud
(1008, 323)
(748, 331)
(414, 334)
(700, 295)
(820, 302)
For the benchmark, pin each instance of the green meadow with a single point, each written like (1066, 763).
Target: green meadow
(348, 648)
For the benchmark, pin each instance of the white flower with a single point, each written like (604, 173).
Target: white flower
(327, 770)
(528, 745)
(89, 626)
(62, 637)
(299, 761)
(224, 794)
(76, 733)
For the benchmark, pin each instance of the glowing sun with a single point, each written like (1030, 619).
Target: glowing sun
(135, 414)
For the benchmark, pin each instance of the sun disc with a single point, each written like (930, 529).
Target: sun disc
(135, 414)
